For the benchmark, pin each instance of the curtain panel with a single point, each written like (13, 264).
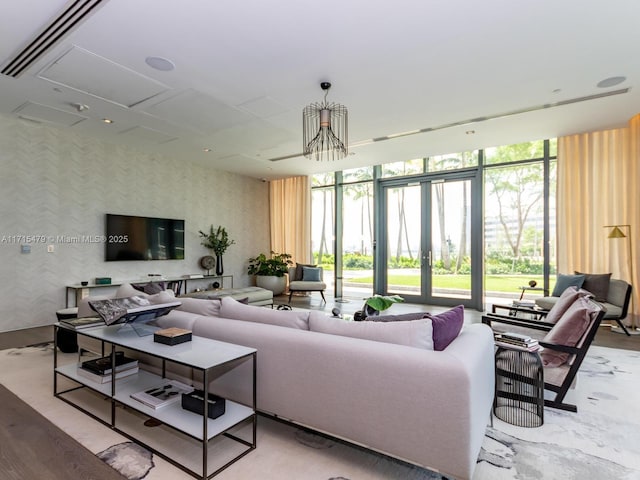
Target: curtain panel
(598, 180)
(290, 217)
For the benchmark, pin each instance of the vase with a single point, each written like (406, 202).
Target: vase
(276, 284)
(219, 266)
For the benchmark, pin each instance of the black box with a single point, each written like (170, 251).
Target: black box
(193, 402)
(172, 336)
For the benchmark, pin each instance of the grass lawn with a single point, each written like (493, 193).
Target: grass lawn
(493, 283)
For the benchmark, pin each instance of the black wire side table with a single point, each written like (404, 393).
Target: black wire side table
(519, 398)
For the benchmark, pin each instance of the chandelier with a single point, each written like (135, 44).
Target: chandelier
(324, 129)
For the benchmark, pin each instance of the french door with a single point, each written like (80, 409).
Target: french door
(427, 246)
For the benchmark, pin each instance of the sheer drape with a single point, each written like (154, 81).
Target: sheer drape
(290, 211)
(598, 180)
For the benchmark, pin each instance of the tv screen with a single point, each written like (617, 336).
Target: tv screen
(144, 238)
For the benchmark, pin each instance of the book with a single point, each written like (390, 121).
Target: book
(513, 346)
(106, 378)
(80, 323)
(102, 365)
(117, 310)
(172, 336)
(163, 394)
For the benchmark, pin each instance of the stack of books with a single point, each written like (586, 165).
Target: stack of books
(517, 341)
(80, 323)
(99, 369)
(162, 394)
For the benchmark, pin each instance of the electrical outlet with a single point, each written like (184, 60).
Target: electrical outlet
(51, 249)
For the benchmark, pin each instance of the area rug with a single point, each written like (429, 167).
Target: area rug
(601, 441)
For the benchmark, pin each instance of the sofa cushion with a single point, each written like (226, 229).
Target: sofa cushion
(597, 284)
(201, 306)
(311, 274)
(231, 308)
(565, 281)
(446, 327)
(568, 331)
(412, 333)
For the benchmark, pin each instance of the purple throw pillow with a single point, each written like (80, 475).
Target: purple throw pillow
(446, 326)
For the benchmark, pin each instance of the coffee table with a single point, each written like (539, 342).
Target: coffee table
(182, 431)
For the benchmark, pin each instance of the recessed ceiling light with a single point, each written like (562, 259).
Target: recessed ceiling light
(107, 120)
(160, 63)
(556, 90)
(611, 82)
(470, 132)
(207, 149)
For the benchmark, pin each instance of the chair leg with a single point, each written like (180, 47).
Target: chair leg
(623, 327)
(323, 299)
(290, 294)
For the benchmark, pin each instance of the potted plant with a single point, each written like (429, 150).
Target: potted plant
(269, 271)
(376, 304)
(217, 240)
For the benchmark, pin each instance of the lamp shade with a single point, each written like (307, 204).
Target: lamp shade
(616, 233)
(324, 129)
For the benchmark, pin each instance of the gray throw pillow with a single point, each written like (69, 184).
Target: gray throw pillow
(310, 274)
(299, 271)
(597, 284)
(565, 281)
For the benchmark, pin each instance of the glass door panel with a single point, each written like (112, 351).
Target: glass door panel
(450, 252)
(404, 240)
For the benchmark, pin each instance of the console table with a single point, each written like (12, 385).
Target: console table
(206, 358)
(77, 291)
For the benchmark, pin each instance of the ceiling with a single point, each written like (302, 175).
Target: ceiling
(452, 75)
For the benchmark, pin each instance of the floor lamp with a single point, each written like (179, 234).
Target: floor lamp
(616, 232)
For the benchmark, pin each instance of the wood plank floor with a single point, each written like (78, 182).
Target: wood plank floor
(33, 447)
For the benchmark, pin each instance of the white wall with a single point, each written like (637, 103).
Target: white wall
(56, 183)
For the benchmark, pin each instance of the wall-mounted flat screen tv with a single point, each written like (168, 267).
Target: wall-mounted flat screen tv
(143, 238)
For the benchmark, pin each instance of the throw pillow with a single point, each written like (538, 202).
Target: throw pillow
(126, 290)
(597, 284)
(231, 308)
(568, 331)
(562, 305)
(165, 296)
(565, 281)
(310, 274)
(151, 287)
(412, 333)
(446, 327)
(299, 267)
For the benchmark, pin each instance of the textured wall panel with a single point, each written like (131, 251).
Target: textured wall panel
(54, 183)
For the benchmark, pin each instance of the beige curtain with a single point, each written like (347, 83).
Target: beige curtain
(290, 212)
(598, 179)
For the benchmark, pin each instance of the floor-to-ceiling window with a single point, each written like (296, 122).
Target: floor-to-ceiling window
(470, 227)
(323, 201)
(519, 226)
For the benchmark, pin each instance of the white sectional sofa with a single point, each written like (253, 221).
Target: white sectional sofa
(426, 407)
(380, 385)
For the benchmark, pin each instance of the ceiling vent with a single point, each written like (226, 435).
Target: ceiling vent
(62, 25)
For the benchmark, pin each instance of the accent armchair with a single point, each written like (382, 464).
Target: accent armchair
(565, 342)
(306, 278)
